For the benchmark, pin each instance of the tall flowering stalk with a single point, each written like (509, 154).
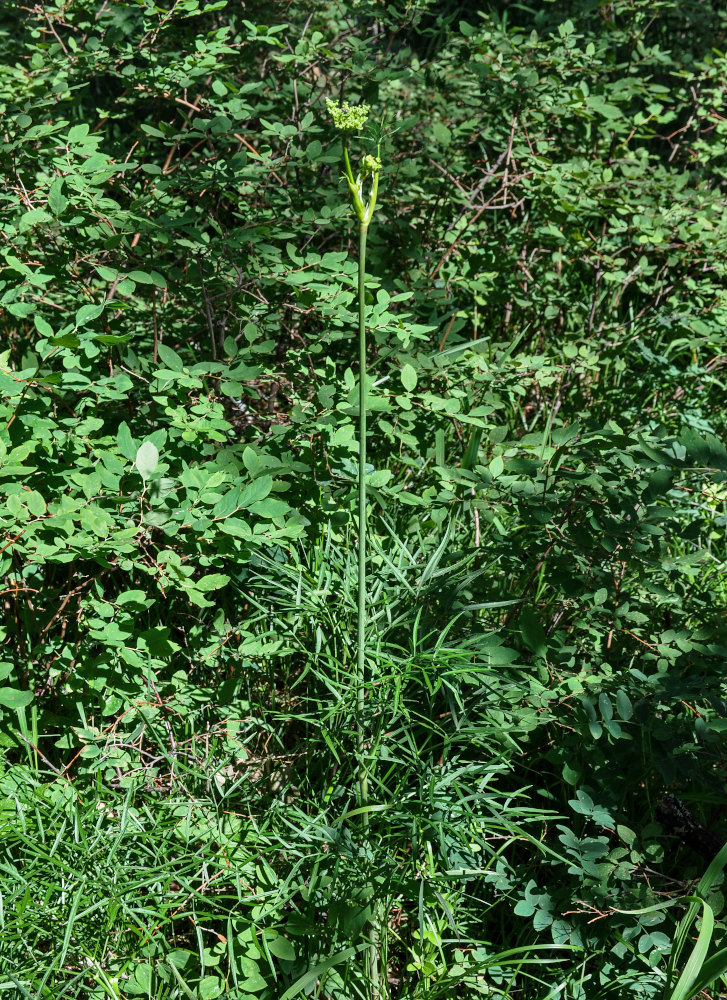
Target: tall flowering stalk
(349, 119)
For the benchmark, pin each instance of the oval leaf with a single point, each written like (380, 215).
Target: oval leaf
(147, 459)
(14, 698)
(408, 377)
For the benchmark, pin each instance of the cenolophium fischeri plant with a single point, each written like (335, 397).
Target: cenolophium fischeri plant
(348, 120)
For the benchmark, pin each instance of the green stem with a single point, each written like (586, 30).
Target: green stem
(347, 161)
(363, 780)
(363, 777)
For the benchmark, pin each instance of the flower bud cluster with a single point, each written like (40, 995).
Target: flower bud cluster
(370, 165)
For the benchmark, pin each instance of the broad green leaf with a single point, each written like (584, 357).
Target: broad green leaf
(147, 459)
(57, 201)
(235, 526)
(88, 312)
(14, 698)
(408, 377)
(36, 503)
(211, 987)
(77, 133)
(34, 217)
(213, 581)
(269, 507)
(170, 358)
(143, 976)
(127, 445)
(254, 983)
(441, 133)
(69, 340)
(133, 597)
(282, 948)
(379, 478)
(197, 597)
(533, 632)
(142, 277)
(623, 706)
(42, 326)
(258, 489)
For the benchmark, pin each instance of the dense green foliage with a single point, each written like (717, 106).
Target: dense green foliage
(179, 724)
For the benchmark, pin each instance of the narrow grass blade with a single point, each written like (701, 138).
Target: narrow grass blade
(309, 978)
(704, 885)
(70, 924)
(182, 985)
(685, 985)
(710, 972)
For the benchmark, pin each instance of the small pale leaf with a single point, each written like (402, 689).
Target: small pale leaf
(147, 459)
(408, 377)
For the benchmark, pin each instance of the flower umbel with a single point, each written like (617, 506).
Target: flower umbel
(348, 118)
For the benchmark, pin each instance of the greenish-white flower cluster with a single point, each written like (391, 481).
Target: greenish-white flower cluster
(346, 117)
(349, 119)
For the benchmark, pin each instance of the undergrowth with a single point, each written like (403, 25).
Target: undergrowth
(394, 672)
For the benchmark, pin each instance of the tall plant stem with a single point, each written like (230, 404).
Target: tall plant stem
(349, 120)
(363, 780)
(363, 777)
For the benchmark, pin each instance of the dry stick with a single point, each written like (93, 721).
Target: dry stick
(207, 308)
(488, 206)
(41, 755)
(504, 156)
(508, 157)
(249, 145)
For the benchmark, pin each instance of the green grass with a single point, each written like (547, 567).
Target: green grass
(99, 886)
(196, 849)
